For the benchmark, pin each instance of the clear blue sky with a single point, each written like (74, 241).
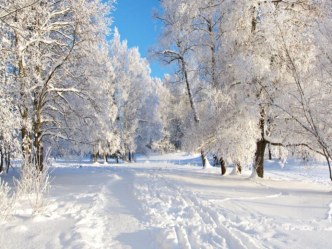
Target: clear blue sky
(134, 20)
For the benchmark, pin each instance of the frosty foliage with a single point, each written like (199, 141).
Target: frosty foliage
(53, 61)
(32, 187)
(65, 87)
(136, 96)
(260, 74)
(249, 76)
(28, 192)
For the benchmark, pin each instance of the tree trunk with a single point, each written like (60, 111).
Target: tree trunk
(222, 166)
(328, 163)
(95, 157)
(203, 156)
(38, 145)
(213, 53)
(26, 141)
(95, 153)
(239, 167)
(259, 157)
(40, 157)
(39, 152)
(1, 160)
(215, 161)
(330, 170)
(129, 156)
(260, 145)
(191, 100)
(105, 157)
(7, 159)
(270, 154)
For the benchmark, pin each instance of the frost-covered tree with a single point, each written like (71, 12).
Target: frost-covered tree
(196, 26)
(52, 44)
(307, 67)
(177, 44)
(250, 63)
(136, 98)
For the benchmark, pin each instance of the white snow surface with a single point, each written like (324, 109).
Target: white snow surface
(169, 201)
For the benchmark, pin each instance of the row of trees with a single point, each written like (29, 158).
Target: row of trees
(255, 74)
(47, 49)
(66, 87)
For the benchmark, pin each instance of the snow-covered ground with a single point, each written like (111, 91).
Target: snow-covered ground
(170, 202)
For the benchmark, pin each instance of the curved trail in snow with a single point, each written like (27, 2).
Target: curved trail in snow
(193, 210)
(186, 220)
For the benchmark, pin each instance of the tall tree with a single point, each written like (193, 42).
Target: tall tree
(52, 39)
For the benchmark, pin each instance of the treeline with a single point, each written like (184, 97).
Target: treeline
(253, 75)
(68, 85)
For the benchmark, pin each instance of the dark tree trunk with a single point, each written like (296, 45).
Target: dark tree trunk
(327, 157)
(260, 146)
(270, 154)
(330, 170)
(7, 159)
(1, 160)
(26, 140)
(37, 139)
(95, 156)
(105, 157)
(129, 156)
(222, 166)
(239, 167)
(203, 157)
(39, 149)
(215, 161)
(259, 157)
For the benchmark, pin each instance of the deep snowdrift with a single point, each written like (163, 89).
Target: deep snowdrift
(170, 202)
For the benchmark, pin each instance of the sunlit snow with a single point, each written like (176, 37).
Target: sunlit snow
(171, 202)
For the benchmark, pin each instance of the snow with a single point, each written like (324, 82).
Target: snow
(171, 202)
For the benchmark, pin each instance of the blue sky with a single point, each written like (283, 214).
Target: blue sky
(134, 20)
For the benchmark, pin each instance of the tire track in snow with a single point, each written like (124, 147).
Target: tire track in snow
(235, 238)
(185, 220)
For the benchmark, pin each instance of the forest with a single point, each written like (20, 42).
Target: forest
(251, 80)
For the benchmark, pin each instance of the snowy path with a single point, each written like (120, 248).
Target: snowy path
(234, 212)
(167, 205)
